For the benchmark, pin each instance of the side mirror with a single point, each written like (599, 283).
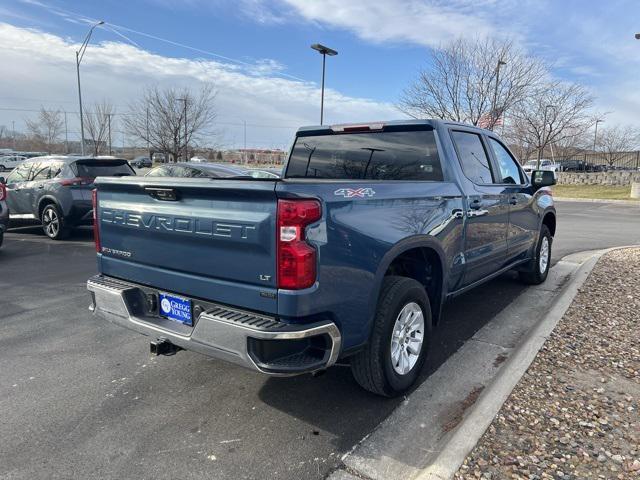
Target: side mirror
(3, 180)
(542, 178)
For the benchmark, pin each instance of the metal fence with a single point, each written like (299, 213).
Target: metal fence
(599, 161)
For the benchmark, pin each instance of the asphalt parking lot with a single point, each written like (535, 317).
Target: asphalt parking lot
(83, 399)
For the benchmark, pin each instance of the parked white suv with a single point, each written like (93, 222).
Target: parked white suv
(545, 164)
(9, 162)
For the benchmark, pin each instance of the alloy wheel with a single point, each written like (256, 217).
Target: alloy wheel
(544, 255)
(51, 222)
(407, 338)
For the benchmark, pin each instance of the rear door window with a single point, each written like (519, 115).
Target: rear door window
(40, 171)
(102, 168)
(55, 169)
(473, 157)
(509, 170)
(388, 155)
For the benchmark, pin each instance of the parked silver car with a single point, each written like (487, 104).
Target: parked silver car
(4, 210)
(56, 190)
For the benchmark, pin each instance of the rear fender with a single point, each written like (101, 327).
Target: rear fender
(418, 241)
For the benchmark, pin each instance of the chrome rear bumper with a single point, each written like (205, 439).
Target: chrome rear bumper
(230, 334)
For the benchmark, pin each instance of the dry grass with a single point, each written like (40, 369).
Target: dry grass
(593, 191)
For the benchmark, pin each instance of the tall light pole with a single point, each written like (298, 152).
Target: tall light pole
(324, 51)
(79, 56)
(544, 135)
(186, 148)
(109, 120)
(595, 135)
(495, 94)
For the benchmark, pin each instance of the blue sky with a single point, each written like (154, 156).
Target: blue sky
(273, 82)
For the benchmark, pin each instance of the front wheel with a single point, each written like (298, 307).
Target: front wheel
(392, 360)
(538, 269)
(53, 223)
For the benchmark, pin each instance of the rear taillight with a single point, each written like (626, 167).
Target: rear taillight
(76, 181)
(96, 229)
(3, 192)
(296, 258)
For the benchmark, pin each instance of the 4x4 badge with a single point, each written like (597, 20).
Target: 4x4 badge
(355, 192)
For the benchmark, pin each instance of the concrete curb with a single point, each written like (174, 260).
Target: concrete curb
(597, 200)
(482, 414)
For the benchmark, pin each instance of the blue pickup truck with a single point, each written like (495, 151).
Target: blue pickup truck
(350, 256)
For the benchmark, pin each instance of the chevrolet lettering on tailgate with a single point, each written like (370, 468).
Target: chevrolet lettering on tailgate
(197, 226)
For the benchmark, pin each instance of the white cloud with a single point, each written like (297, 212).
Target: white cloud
(416, 21)
(43, 67)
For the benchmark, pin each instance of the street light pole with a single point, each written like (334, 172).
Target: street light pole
(495, 94)
(324, 51)
(595, 135)
(186, 147)
(109, 126)
(79, 56)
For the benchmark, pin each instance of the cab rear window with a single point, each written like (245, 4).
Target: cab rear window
(388, 155)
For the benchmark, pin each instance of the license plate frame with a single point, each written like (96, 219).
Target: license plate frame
(176, 308)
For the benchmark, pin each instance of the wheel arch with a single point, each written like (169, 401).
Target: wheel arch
(549, 219)
(431, 252)
(43, 202)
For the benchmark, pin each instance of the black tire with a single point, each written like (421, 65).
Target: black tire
(53, 222)
(1, 238)
(534, 273)
(373, 367)
(1, 168)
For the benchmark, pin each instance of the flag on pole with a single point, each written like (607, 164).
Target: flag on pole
(485, 120)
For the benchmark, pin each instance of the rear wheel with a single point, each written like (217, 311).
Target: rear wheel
(392, 360)
(538, 269)
(53, 223)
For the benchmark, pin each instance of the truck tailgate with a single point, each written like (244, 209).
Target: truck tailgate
(205, 237)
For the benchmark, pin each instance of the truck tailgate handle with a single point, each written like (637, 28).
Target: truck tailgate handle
(166, 194)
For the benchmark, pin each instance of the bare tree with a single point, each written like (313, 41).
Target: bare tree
(552, 113)
(158, 118)
(46, 128)
(97, 125)
(616, 142)
(463, 82)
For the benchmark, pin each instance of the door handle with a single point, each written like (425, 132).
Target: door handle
(513, 201)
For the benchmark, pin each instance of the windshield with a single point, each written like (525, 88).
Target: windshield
(102, 168)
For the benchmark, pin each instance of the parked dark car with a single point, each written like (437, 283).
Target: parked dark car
(574, 166)
(141, 162)
(211, 170)
(351, 255)
(56, 190)
(4, 210)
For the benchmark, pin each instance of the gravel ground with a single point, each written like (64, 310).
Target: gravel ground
(575, 413)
